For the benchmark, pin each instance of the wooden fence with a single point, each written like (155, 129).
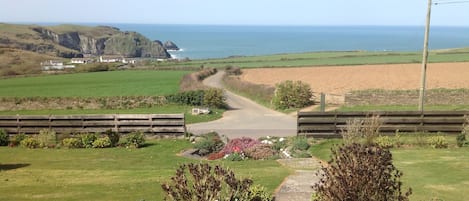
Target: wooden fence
(122, 123)
(331, 124)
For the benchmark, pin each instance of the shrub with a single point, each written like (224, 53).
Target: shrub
(292, 94)
(30, 142)
(210, 143)
(72, 143)
(300, 143)
(4, 138)
(438, 142)
(136, 140)
(113, 136)
(235, 156)
(360, 172)
(17, 139)
(238, 145)
(88, 139)
(202, 182)
(384, 142)
(230, 70)
(214, 98)
(357, 129)
(47, 138)
(461, 139)
(102, 142)
(195, 98)
(259, 193)
(260, 151)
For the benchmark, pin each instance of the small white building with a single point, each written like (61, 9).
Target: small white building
(110, 59)
(52, 63)
(81, 60)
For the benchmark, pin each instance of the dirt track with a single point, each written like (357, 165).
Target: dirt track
(342, 79)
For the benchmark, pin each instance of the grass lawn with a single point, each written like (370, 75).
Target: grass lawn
(431, 173)
(166, 109)
(108, 174)
(112, 83)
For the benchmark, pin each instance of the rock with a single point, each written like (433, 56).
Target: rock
(169, 45)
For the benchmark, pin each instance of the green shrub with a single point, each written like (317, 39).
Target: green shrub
(17, 139)
(72, 143)
(103, 142)
(384, 141)
(300, 143)
(259, 193)
(235, 156)
(30, 142)
(113, 136)
(135, 140)
(214, 98)
(301, 154)
(202, 182)
(461, 139)
(195, 98)
(438, 142)
(292, 94)
(209, 143)
(360, 172)
(47, 138)
(4, 138)
(88, 139)
(260, 151)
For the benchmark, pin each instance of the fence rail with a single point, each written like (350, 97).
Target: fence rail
(122, 123)
(330, 124)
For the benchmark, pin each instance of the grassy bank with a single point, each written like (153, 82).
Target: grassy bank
(433, 174)
(326, 59)
(402, 108)
(108, 174)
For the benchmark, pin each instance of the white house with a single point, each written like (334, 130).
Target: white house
(110, 59)
(81, 60)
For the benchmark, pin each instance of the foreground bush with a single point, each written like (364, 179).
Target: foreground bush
(47, 138)
(135, 140)
(30, 142)
(202, 182)
(438, 142)
(209, 143)
(360, 172)
(88, 139)
(214, 98)
(103, 142)
(72, 143)
(292, 94)
(4, 138)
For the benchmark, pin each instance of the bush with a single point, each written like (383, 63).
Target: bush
(292, 94)
(438, 142)
(72, 143)
(113, 136)
(238, 145)
(357, 129)
(103, 142)
(259, 193)
(384, 142)
(300, 143)
(214, 98)
(202, 182)
(195, 98)
(235, 156)
(47, 138)
(210, 143)
(135, 140)
(30, 142)
(461, 139)
(88, 139)
(260, 151)
(4, 138)
(230, 70)
(360, 172)
(17, 139)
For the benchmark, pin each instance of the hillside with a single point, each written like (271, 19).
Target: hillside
(69, 41)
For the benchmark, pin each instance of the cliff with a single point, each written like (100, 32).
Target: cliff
(75, 41)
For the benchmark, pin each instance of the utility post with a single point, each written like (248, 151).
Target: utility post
(425, 58)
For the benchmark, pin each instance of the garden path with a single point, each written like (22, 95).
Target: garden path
(245, 118)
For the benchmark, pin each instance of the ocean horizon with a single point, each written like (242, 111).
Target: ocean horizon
(221, 41)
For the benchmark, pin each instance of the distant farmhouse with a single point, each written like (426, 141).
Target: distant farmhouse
(115, 59)
(55, 65)
(81, 60)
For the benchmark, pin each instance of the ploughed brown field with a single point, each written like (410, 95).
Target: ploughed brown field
(342, 79)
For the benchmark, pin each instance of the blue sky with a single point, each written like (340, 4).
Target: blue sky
(235, 12)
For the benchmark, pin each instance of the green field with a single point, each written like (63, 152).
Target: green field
(433, 174)
(113, 83)
(326, 59)
(108, 174)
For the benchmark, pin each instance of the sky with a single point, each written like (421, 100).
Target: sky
(235, 12)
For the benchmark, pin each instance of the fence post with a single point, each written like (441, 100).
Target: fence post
(323, 102)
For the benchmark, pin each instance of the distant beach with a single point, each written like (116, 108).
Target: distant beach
(211, 41)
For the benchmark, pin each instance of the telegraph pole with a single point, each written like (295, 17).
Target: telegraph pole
(425, 58)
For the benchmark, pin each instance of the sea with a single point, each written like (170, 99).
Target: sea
(220, 41)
